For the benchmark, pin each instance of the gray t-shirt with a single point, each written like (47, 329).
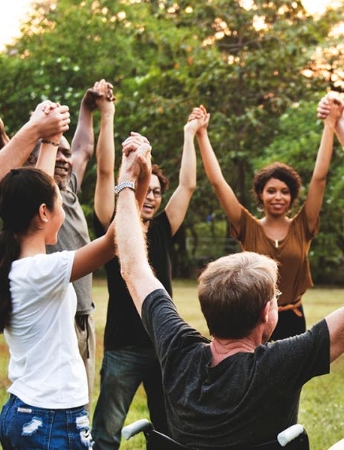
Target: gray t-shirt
(73, 235)
(248, 398)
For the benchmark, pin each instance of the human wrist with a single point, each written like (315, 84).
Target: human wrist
(125, 184)
(55, 143)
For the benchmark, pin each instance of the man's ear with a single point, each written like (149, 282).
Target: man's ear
(265, 312)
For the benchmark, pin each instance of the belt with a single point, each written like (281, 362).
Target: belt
(292, 307)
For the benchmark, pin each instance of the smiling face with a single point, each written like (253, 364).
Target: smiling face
(276, 197)
(153, 199)
(63, 164)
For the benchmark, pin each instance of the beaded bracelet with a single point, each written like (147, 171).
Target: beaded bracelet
(46, 141)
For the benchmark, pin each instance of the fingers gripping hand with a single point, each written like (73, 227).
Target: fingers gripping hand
(144, 159)
(326, 103)
(198, 119)
(133, 142)
(335, 112)
(323, 108)
(50, 119)
(136, 165)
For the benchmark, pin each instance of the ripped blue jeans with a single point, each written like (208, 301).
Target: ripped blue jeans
(25, 427)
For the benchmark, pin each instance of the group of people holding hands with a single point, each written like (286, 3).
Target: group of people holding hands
(242, 385)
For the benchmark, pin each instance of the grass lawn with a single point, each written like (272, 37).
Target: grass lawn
(322, 401)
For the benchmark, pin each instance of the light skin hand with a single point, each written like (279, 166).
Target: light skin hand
(47, 108)
(198, 120)
(50, 119)
(324, 106)
(136, 165)
(133, 142)
(335, 111)
(202, 116)
(104, 99)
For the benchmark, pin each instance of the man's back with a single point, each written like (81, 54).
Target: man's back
(247, 397)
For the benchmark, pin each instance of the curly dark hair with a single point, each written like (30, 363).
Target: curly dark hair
(164, 183)
(281, 172)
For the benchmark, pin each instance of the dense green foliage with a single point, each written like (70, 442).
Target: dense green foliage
(260, 72)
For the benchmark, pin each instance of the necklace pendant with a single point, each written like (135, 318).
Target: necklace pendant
(276, 243)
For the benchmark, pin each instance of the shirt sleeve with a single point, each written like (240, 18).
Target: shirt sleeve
(168, 331)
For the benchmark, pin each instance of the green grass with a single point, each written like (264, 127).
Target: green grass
(322, 400)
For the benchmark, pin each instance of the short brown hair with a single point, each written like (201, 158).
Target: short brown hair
(233, 290)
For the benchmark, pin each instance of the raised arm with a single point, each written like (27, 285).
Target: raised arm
(43, 123)
(324, 107)
(131, 245)
(318, 182)
(224, 192)
(104, 199)
(83, 140)
(178, 203)
(46, 158)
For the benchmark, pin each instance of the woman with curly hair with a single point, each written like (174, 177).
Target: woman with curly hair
(285, 239)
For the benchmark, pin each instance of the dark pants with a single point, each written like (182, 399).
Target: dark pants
(122, 372)
(289, 324)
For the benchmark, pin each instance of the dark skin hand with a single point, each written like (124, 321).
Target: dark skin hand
(92, 95)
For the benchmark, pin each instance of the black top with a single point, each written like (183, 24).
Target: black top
(123, 324)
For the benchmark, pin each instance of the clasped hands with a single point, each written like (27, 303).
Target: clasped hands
(136, 158)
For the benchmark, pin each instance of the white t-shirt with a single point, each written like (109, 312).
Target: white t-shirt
(45, 368)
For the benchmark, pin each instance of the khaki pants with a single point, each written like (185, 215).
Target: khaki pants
(85, 331)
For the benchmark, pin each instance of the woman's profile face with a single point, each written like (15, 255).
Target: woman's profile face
(276, 197)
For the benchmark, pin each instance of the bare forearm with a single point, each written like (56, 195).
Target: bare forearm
(46, 158)
(17, 150)
(104, 202)
(83, 140)
(106, 147)
(210, 162)
(324, 155)
(131, 246)
(187, 174)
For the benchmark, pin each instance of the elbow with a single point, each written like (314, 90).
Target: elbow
(192, 188)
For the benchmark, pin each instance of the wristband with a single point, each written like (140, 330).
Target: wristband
(123, 185)
(46, 141)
